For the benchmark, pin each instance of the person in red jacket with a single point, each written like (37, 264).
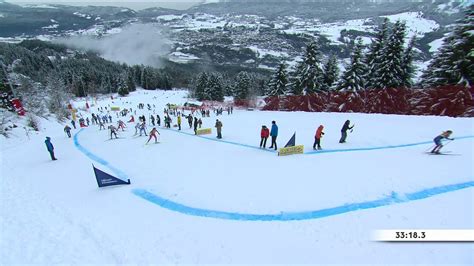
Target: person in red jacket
(264, 133)
(317, 137)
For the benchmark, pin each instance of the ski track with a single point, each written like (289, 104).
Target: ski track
(58, 222)
(394, 198)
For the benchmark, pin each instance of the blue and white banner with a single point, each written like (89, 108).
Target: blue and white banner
(105, 180)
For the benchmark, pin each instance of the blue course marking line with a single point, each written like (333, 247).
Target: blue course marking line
(220, 140)
(382, 147)
(319, 151)
(394, 198)
(96, 158)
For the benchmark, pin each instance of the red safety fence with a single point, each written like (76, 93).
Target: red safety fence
(455, 101)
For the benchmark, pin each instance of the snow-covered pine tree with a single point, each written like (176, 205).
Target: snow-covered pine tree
(353, 78)
(407, 64)
(296, 85)
(242, 86)
(130, 81)
(215, 90)
(312, 74)
(278, 84)
(454, 62)
(390, 72)
(374, 57)
(58, 95)
(200, 90)
(331, 73)
(122, 87)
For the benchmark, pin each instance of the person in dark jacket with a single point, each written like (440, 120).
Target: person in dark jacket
(219, 128)
(195, 125)
(344, 129)
(50, 148)
(317, 137)
(190, 121)
(67, 129)
(158, 120)
(264, 134)
(437, 141)
(274, 134)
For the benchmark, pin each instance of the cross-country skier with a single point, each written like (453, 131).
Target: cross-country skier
(143, 128)
(101, 124)
(179, 122)
(199, 122)
(67, 129)
(264, 133)
(344, 129)
(153, 134)
(437, 141)
(274, 134)
(137, 127)
(152, 118)
(158, 120)
(113, 130)
(317, 137)
(219, 128)
(121, 125)
(50, 148)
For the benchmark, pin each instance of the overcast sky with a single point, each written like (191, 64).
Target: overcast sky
(138, 4)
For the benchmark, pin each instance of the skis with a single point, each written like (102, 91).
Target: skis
(443, 153)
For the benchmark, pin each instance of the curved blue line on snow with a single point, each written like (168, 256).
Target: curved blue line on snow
(382, 147)
(220, 140)
(319, 151)
(394, 198)
(96, 158)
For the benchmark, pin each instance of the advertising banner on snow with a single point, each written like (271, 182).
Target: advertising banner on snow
(299, 149)
(105, 180)
(204, 131)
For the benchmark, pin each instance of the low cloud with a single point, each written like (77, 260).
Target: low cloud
(134, 45)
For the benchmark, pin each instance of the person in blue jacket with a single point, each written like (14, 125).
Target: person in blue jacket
(274, 134)
(50, 148)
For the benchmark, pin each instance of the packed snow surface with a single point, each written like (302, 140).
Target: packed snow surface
(53, 211)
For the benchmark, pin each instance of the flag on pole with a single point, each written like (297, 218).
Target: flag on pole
(104, 179)
(292, 141)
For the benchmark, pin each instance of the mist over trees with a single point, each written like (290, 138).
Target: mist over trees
(42, 70)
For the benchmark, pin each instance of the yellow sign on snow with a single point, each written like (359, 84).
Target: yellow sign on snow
(204, 131)
(115, 108)
(298, 149)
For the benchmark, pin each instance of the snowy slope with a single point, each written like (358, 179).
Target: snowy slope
(53, 212)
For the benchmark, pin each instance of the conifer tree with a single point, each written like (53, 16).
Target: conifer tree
(390, 72)
(353, 78)
(242, 86)
(278, 84)
(407, 64)
(200, 90)
(454, 62)
(374, 56)
(310, 72)
(331, 73)
(215, 88)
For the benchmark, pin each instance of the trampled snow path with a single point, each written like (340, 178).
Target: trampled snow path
(394, 198)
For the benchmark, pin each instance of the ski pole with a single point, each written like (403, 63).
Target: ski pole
(430, 148)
